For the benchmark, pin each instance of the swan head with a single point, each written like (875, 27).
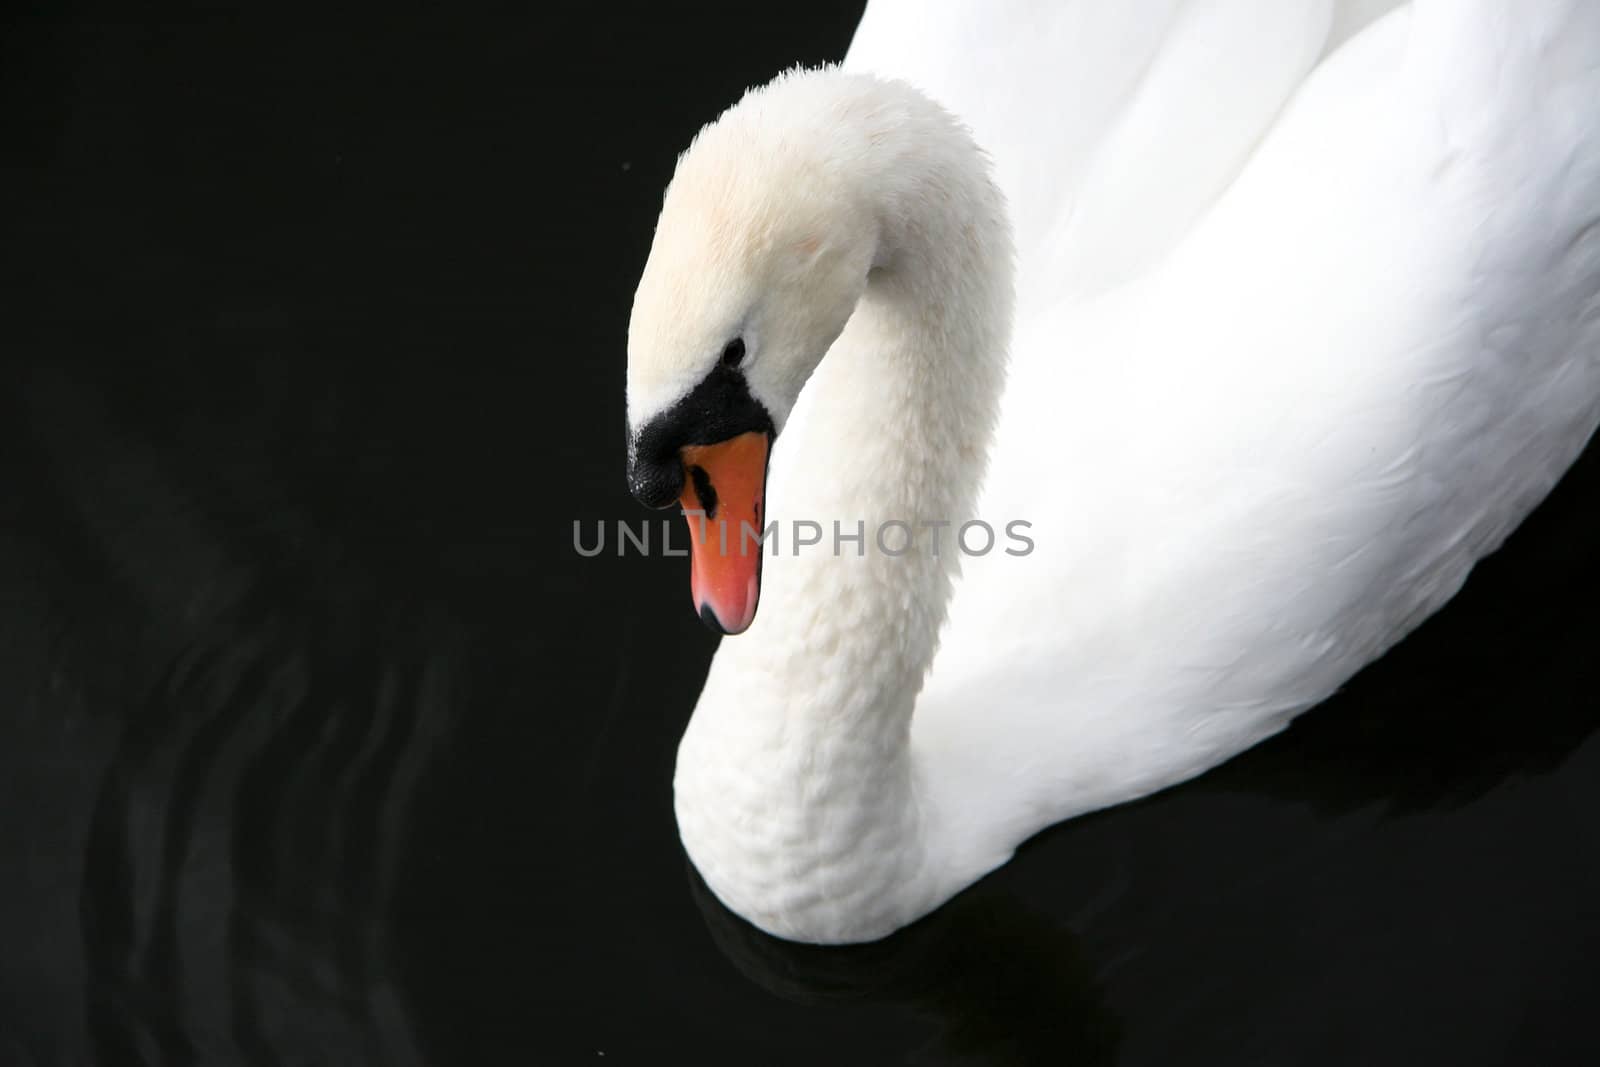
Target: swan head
(761, 253)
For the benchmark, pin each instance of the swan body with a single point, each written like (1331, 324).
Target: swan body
(1305, 319)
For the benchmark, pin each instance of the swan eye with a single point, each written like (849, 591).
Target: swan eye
(734, 353)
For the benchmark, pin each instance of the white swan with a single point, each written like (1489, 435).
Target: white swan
(1307, 319)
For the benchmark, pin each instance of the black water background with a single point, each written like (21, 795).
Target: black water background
(318, 744)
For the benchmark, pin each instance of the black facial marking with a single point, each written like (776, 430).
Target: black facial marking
(704, 490)
(656, 480)
(716, 410)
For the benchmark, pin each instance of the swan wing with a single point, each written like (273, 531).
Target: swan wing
(1113, 125)
(1255, 459)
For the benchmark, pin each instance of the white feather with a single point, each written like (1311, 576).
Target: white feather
(1307, 320)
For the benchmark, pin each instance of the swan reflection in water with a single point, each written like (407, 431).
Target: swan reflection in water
(1001, 983)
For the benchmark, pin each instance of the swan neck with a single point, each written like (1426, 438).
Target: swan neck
(802, 734)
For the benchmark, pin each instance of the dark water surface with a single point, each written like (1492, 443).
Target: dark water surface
(320, 745)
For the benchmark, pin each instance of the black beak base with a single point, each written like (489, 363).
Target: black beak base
(718, 409)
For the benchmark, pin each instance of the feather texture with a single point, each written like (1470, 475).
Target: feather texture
(1307, 319)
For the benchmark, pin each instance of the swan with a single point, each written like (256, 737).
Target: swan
(1268, 318)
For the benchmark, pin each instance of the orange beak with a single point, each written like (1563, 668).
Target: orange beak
(722, 499)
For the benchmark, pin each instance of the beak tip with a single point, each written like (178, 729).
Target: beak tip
(709, 617)
(713, 623)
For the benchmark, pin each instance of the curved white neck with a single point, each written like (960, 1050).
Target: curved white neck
(796, 787)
